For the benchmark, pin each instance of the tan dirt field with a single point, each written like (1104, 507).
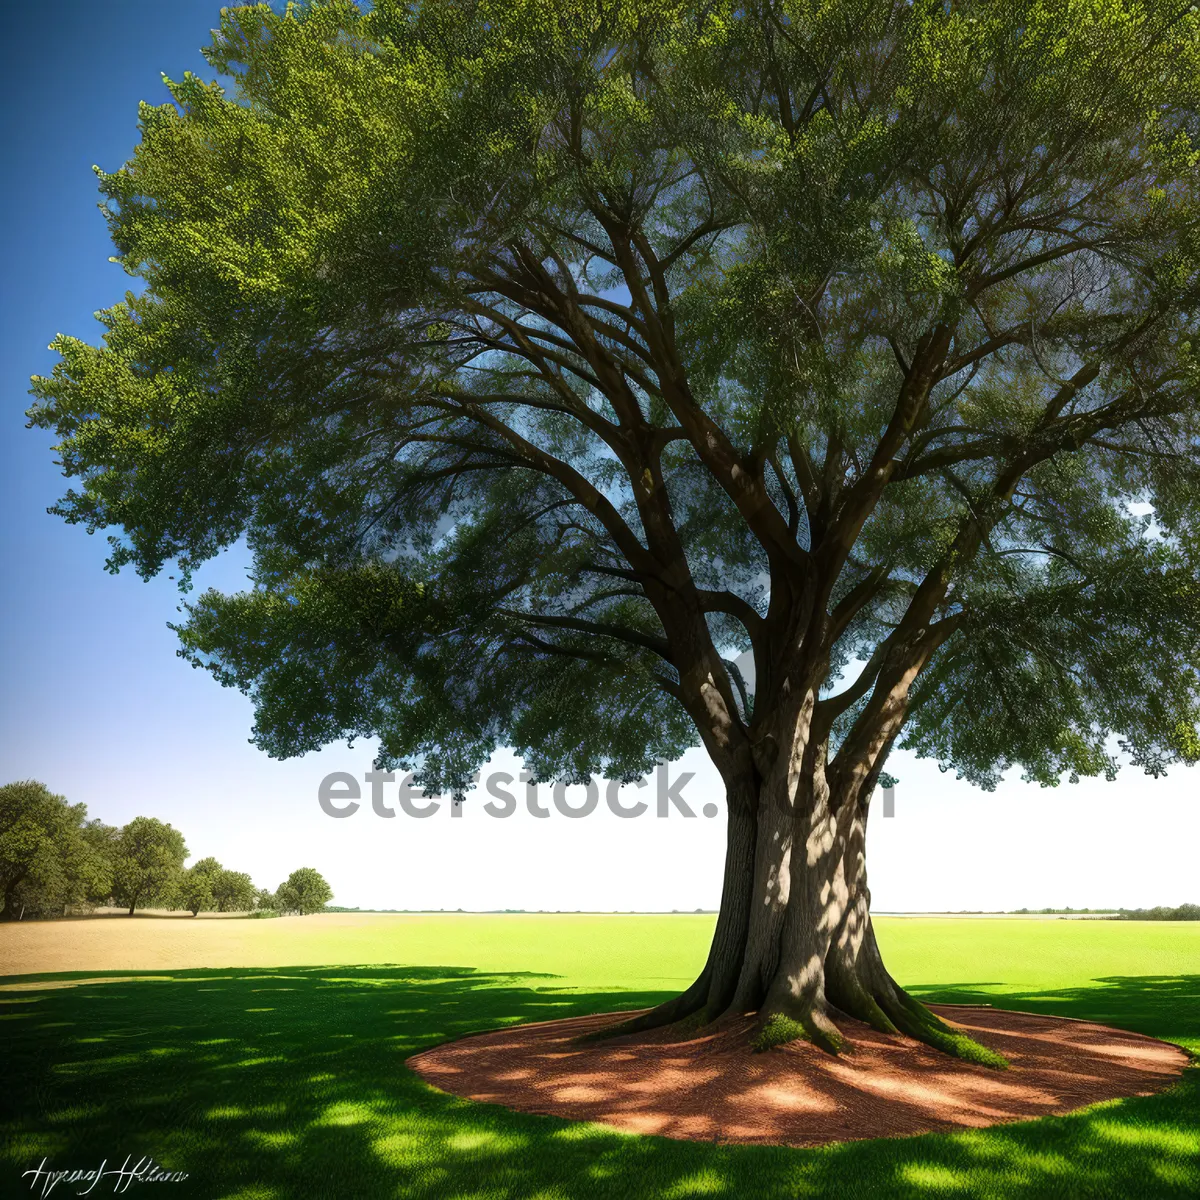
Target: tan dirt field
(173, 941)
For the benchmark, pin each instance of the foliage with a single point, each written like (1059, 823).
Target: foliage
(1160, 912)
(233, 891)
(304, 891)
(208, 885)
(195, 890)
(51, 857)
(75, 878)
(550, 357)
(148, 863)
(102, 842)
(53, 860)
(1184, 912)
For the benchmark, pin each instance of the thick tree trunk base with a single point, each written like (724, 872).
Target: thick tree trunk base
(855, 986)
(794, 946)
(894, 1011)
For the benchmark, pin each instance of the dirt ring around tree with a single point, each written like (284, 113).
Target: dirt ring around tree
(714, 1088)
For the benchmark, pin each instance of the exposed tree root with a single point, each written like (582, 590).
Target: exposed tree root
(914, 1019)
(887, 1008)
(778, 1029)
(682, 1007)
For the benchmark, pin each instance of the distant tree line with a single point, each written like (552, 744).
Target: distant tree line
(1043, 912)
(54, 862)
(1185, 912)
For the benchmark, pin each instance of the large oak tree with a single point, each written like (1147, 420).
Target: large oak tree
(553, 355)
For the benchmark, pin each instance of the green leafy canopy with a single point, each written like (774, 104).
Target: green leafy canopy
(551, 354)
(147, 863)
(51, 856)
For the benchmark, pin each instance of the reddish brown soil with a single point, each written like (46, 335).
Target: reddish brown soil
(714, 1088)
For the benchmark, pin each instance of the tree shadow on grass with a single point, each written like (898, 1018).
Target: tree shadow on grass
(1163, 1006)
(290, 1082)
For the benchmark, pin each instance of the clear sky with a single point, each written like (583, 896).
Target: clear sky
(94, 702)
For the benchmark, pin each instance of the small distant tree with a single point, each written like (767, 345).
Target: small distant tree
(196, 886)
(148, 864)
(264, 900)
(233, 891)
(41, 850)
(304, 891)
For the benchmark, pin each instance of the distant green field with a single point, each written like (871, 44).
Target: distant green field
(272, 1080)
(645, 951)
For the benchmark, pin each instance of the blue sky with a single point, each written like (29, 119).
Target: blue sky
(76, 646)
(94, 701)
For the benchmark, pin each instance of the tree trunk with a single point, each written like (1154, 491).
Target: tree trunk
(794, 943)
(10, 899)
(132, 906)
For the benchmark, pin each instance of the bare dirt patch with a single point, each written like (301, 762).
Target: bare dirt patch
(158, 941)
(714, 1088)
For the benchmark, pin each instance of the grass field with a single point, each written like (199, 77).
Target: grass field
(265, 1058)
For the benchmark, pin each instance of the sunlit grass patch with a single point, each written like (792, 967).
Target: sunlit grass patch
(703, 1183)
(344, 1113)
(930, 1175)
(277, 1140)
(1164, 1140)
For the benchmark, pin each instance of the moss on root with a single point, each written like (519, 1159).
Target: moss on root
(918, 1022)
(966, 1048)
(909, 1016)
(778, 1030)
(900, 1011)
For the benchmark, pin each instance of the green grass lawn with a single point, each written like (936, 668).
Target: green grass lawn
(277, 1081)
